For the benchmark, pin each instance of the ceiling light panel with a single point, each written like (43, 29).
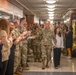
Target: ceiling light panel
(51, 1)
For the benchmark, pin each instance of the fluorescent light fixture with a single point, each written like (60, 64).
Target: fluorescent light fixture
(65, 21)
(51, 9)
(51, 17)
(50, 12)
(51, 6)
(68, 19)
(51, 1)
(51, 22)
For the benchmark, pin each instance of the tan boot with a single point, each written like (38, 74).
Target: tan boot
(25, 68)
(18, 73)
(20, 69)
(47, 64)
(39, 60)
(43, 64)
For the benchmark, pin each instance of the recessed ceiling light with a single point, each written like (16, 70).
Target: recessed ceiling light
(51, 1)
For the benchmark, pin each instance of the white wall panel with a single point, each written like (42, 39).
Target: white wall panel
(36, 19)
(10, 8)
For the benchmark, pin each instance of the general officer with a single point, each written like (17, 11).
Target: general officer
(46, 45)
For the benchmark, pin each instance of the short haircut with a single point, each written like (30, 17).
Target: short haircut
(22, 19)
(58, 22)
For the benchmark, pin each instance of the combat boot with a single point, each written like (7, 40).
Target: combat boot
(20, 69)
(43, 64)
(26, 67)
(47, 64)
(18, 73)
(39, 60)
(35, 60)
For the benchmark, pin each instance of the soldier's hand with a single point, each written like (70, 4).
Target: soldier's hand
(21, 35)
(33, 37)
(25, 33)
(29, 32)
(54, 46)
(19, 38)
(10, 35)
(23, 38)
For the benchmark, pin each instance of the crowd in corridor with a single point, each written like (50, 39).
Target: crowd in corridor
(17, 38)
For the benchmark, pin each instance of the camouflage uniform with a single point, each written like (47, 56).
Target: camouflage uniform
(46, 46)
(29, 47)
(37, 45)
(17, 50)
(23, 47)
(34, 33)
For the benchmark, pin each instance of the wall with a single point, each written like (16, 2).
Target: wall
(10, 8)
(36, 19)
(30, 19)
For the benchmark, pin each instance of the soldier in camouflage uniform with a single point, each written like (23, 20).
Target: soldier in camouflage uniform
(23, 43)
(46, 45)
(17, 56)
(17, 51)
(34, 33)
(37, 43)
(29, 47)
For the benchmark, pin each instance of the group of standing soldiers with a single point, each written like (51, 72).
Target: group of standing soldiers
(20, 35)
(42, 43)
(41, 39)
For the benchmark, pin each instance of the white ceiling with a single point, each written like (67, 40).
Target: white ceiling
(39, 8)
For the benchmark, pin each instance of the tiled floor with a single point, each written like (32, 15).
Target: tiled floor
(66, 66)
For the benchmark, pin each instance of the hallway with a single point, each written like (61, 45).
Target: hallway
(32, 29)
(66, 66)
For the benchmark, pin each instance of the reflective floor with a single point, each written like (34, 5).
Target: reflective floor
(49, 73)
(66, 66)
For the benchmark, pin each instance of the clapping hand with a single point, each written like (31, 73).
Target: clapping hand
(29, 32)
(10, 35)
(33, 37)
(25, 33)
